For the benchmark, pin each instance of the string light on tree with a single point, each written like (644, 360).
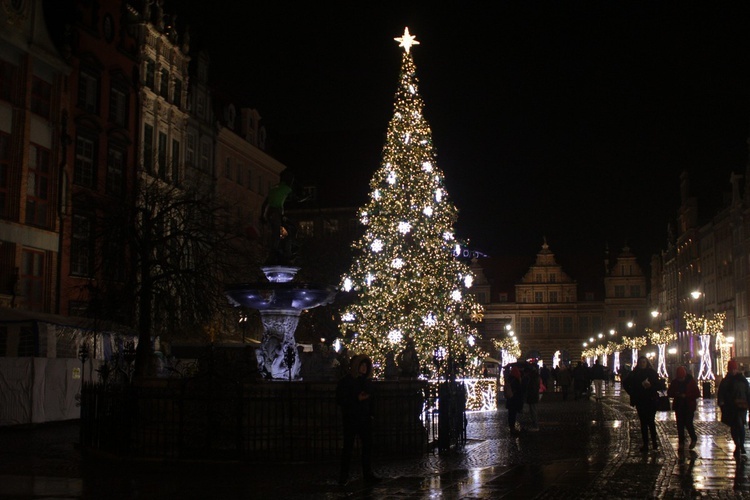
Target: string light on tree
(634, 343)
(705, 328)
(661, 339)
(405, 273)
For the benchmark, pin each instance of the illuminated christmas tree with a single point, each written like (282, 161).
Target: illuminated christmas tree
(409, 285)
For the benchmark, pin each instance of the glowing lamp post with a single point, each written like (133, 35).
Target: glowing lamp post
(661, 339)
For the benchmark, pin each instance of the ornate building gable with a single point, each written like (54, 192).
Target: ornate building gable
(545, 281)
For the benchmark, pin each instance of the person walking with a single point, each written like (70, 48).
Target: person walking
(531, 380)
(598, 375)
(513, 397)
(354, 394)
(642, 385)
(684, 392)
(734, 398)
(564, 379)
(581, 380)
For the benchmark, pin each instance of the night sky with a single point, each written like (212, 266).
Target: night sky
(570, 120)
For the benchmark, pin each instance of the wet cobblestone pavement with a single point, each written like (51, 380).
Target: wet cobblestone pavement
(584, 449)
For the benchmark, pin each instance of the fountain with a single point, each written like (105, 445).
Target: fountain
(280, 301)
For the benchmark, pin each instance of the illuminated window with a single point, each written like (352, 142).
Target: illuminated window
(306, 228)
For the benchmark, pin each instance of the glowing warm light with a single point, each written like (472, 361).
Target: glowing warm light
(407, 40)
(404, 269)
(654, 313)
(695, 294)
(672, 350)
(404, 227)
(612, 331)
(631, 324)
(729, 340)
(600, 335)
(347, 317)
(348, 285)
(395, 336)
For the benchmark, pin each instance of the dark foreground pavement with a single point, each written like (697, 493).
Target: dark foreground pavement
(584, 449)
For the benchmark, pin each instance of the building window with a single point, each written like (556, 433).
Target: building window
(330, 226)
(118, 107)
(596, 323)
(190, 150)
(164, 84)
(538, 278)
(538, 324)
(583, 324)
(554, 325)
(175, 162)
(502, 297)
(205, 155)
(81, 246)
(150, 74)
(148, 148)
(525, 325)
(306, 229)
(32, 278)
(553, 296)
(88, 92)
(37, 189)
(553, 278)
(177, 97)
(4, 172)
(41, 96)
(310, 193)
(83, 174)
(7, 76)
(619, 291)
(240, 169)
(228, 168)
(115, 170)
(567, 322)
(162, 173)
(538, 297)
(635, 290)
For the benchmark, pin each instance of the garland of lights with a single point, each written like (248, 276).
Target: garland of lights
(661, 338)
(614, 348)
(410, 287)
(634, 343)
(705, 328)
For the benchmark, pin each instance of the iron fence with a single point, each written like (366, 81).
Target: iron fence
(212, 418)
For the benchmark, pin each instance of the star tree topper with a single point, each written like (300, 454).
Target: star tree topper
(407, 40)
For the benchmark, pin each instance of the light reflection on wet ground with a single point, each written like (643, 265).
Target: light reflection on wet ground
(584, 449)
